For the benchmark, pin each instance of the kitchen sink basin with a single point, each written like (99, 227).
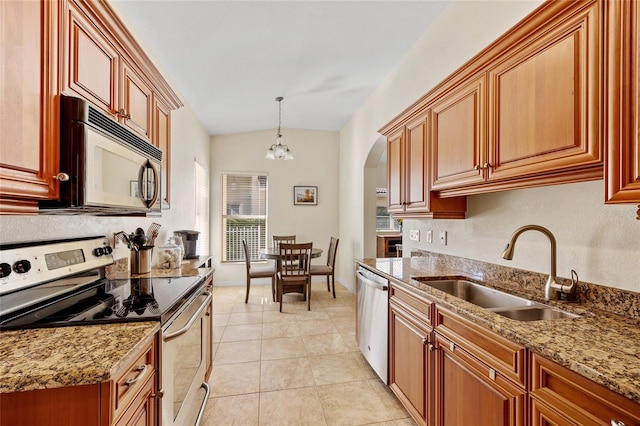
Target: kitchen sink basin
(535, 314)
(507, 305)
(478, 294)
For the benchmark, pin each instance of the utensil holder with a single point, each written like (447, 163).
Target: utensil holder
(141, 261)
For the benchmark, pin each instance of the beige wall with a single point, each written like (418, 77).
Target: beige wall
(315, 164)
(599, 242)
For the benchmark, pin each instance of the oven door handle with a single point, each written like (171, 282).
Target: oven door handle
(193, 318)
(206, 388)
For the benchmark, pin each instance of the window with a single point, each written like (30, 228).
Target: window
(384, 222)
(202, 208)
(244, 215)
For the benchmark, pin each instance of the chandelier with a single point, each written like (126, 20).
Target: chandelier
(278, 149)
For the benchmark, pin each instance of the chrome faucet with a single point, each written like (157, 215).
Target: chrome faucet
(552, 290)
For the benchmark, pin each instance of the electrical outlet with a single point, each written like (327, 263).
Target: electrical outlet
(414, 235)
(429, 236)
(443, 238)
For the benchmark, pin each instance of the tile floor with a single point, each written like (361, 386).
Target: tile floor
(297, 367)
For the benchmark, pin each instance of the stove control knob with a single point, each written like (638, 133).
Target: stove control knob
(22, 266)
(99, 251)
(5, 270)
(108, 250)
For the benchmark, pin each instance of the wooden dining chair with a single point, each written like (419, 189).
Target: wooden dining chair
(258, 271)
(294, 271)
(329, 268)
(286, 239)
(282, 239)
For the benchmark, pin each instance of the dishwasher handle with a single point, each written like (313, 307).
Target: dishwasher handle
(372, 283)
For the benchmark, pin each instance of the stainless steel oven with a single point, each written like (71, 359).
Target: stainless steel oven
(184, 351)
(60, 283)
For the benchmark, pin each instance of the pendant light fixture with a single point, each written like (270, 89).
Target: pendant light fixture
(278, 149)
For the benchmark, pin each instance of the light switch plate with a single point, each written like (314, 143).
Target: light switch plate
(414, 235)
(429, 236)
(443, 238)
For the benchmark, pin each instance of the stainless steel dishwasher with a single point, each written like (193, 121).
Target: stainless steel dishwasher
(373, 318)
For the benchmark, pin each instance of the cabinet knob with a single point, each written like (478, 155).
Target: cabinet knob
(477, 167)
(123, 113)
(62, 177)
(615, 422)
(425, 340)
(431, 347)
(487, 166)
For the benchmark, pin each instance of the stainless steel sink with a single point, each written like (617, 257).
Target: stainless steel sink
(501, 303)
(478, 294)
(535, 314)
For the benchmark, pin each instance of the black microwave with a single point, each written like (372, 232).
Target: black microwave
(105, 168)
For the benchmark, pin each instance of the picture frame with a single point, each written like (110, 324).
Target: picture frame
(305, 195)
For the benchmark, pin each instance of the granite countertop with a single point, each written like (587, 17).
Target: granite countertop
(601, 346)
(46, 358)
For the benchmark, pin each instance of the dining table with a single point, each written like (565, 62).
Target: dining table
(274, 253)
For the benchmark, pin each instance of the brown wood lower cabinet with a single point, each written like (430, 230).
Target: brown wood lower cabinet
(128, 399)
(449, 371)
(468, 392)
(561, 397)
(411, 354)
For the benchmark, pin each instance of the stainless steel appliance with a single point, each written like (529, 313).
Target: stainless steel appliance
(105, 168)
(190, 241)
(59, 283)
(372, 315)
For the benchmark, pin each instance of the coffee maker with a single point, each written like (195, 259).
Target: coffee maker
(190, 241)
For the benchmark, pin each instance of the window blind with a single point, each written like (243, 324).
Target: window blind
(244, 215)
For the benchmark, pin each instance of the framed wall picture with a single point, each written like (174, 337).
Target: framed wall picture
(305, 195)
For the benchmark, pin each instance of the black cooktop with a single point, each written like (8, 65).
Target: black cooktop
(101, 301)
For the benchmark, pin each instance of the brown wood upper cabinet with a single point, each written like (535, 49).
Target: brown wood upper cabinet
(407, 175)
(78, 48)
(136, 101)
(94, 69)
(622, 126)
(162, 139)
(29, 120)
(543, 97)
(458, 139)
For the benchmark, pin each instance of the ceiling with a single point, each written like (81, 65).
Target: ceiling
(229, 60)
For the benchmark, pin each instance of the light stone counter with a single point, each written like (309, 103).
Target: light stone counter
(601, 346)
(46, 358)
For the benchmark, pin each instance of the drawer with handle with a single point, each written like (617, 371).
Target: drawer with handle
(132, 378)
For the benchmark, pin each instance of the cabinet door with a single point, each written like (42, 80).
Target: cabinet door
(545, 98)
(136, 102)
(90, 68)
(29, 121)
(409, 363)
(561, 393)
(162, 140)
(395, 168)
(458, 136)
(467, 392)
(623, 109)
(142, 410)
(416, 166)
